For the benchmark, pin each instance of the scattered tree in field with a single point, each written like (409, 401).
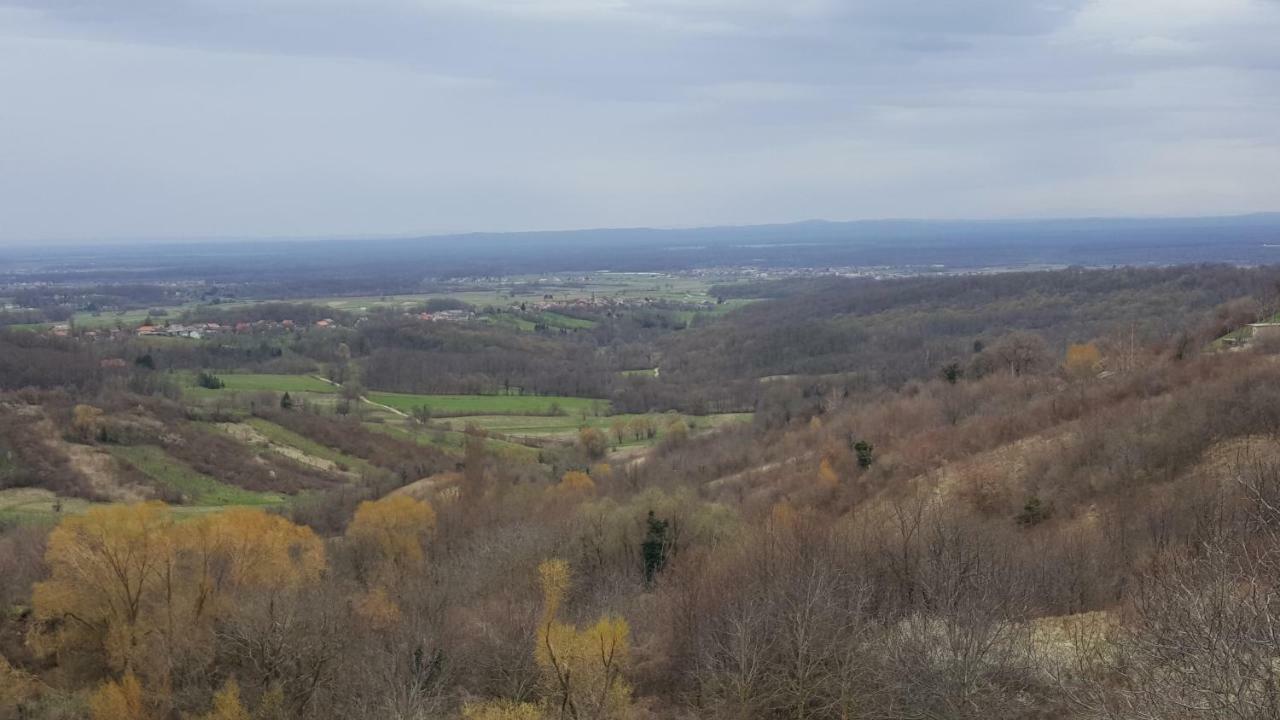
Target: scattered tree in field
(422, 413)
(642, 428)
(593, 443)
(340, 371)
(677, 432)
(209, 381)
(286, 402)
(618, 428)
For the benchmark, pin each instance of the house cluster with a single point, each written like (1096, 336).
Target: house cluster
(65, 330)
(595, 302)
(194, 331)
(446, 316)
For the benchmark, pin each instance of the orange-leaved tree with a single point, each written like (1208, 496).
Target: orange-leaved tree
(1082, 360)
(574, 484)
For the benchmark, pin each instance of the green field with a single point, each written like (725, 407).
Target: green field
(26, 506)
(196, 487)
(258, 382)
(452, 440)
(462, 405)
(511, 320)
(1240, 335)
(555, 319)
(252, 382)
(568, 426)
(36, 505)
(528, 322)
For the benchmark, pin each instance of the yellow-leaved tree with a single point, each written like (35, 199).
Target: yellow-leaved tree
(582, 669)
(227, 705)
(389, 535)
(130, 584)
(119, 700)
(241, 548)
(105, 569)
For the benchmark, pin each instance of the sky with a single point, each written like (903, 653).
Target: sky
(133, 119)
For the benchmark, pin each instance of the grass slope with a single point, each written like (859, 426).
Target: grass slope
(196, 487)
(284, 436)
(462, 405)
(255, 382)
(454, 441)
(568, 426)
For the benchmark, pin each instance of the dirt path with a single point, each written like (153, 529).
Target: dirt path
(250, 435)
(738, 477)
(365, 399)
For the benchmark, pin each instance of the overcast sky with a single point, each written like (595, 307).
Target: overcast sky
(212, 118)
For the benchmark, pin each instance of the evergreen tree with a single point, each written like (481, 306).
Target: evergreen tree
(655, 547)
(865, 452)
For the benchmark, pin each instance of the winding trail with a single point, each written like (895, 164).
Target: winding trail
(365, 399)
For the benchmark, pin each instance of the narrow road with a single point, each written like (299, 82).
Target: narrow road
(365, 399)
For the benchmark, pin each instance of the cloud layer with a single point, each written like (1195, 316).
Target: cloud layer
(186, 118)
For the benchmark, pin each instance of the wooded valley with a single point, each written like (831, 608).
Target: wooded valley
(1012, 495)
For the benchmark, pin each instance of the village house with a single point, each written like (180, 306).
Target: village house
(1265, 332)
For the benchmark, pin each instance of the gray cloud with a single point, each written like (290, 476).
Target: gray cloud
(270, 117)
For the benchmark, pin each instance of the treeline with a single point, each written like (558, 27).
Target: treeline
(413, 356)
(898, 330)
(33, 360)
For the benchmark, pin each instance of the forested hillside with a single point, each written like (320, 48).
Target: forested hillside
(1023, 496)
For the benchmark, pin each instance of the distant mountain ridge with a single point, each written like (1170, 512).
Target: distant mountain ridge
(924, 245)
